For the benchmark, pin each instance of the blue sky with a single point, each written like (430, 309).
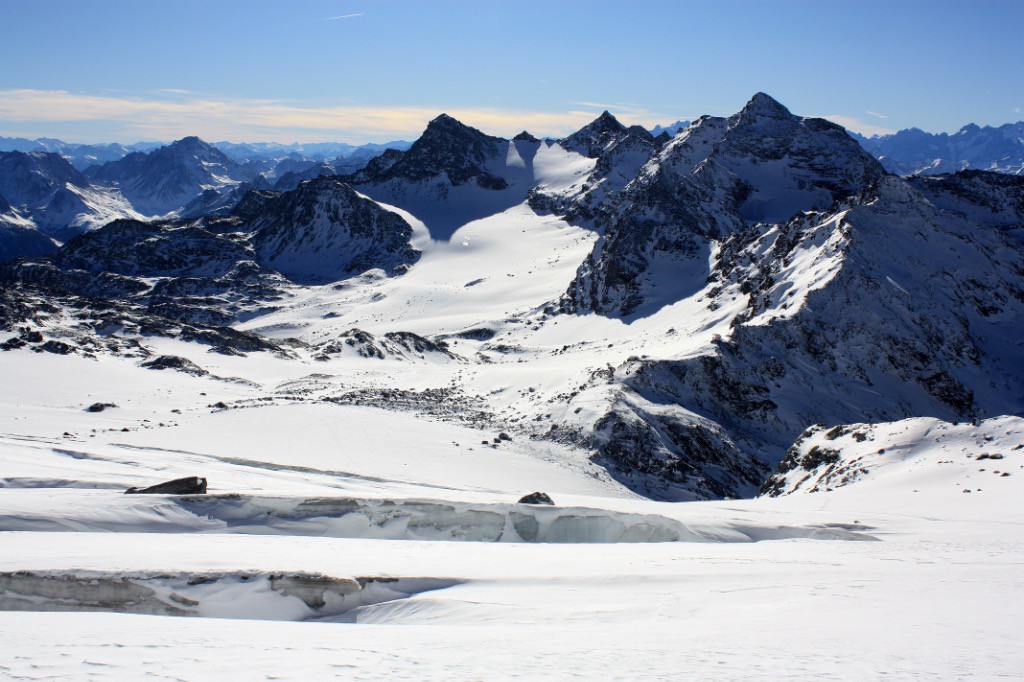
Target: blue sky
(375, 70)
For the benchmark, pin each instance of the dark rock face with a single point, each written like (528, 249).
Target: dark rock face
(99, 407)
(811, 350)
(323, 231)
(447, 146)
(176, 363)
(192, 485)
(193, 278)
(670, 454)
(536, 498)
(18, 240)
(989, 199)
(595, 137)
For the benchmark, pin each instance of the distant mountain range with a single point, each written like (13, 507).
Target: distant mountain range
(81, 156)
(915, 152)
(45, 199)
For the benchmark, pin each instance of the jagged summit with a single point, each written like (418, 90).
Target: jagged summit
(447, 146)
(596, 136)
(764, 111)
(525, 137)
(761, 105)
(445, 126)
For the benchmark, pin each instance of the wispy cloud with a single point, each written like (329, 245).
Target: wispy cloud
(344, 16)
(48, 112)
(875, 114)
(628, 112)
(857, 125)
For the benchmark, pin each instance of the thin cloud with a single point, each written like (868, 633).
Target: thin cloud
(345, 16)
(856, 125)
(627, 112)
(134, 118)
(875, 114)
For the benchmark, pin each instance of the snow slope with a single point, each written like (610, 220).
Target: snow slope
(932, 592)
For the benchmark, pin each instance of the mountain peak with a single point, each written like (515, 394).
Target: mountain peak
(761, 105)
(190, 141)
(606, 121)
(594, 137)
(444, 120)
(448, 127)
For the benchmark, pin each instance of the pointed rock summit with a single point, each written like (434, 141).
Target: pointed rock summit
(762, 105)
(592, 139)
(447, 146)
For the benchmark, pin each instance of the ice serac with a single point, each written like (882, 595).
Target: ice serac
(323, 231)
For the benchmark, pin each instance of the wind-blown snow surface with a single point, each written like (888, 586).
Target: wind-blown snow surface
(320, 531)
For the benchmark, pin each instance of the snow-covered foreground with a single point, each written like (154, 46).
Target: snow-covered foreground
(315, 553)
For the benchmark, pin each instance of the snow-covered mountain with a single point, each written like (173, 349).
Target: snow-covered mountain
(713, 178)
(42, 191)
(315, 151)
(915, 152)
(81, 156)
(166, 179)
(217, 269)
(19, 235)
(688, 305)
(323, 231)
